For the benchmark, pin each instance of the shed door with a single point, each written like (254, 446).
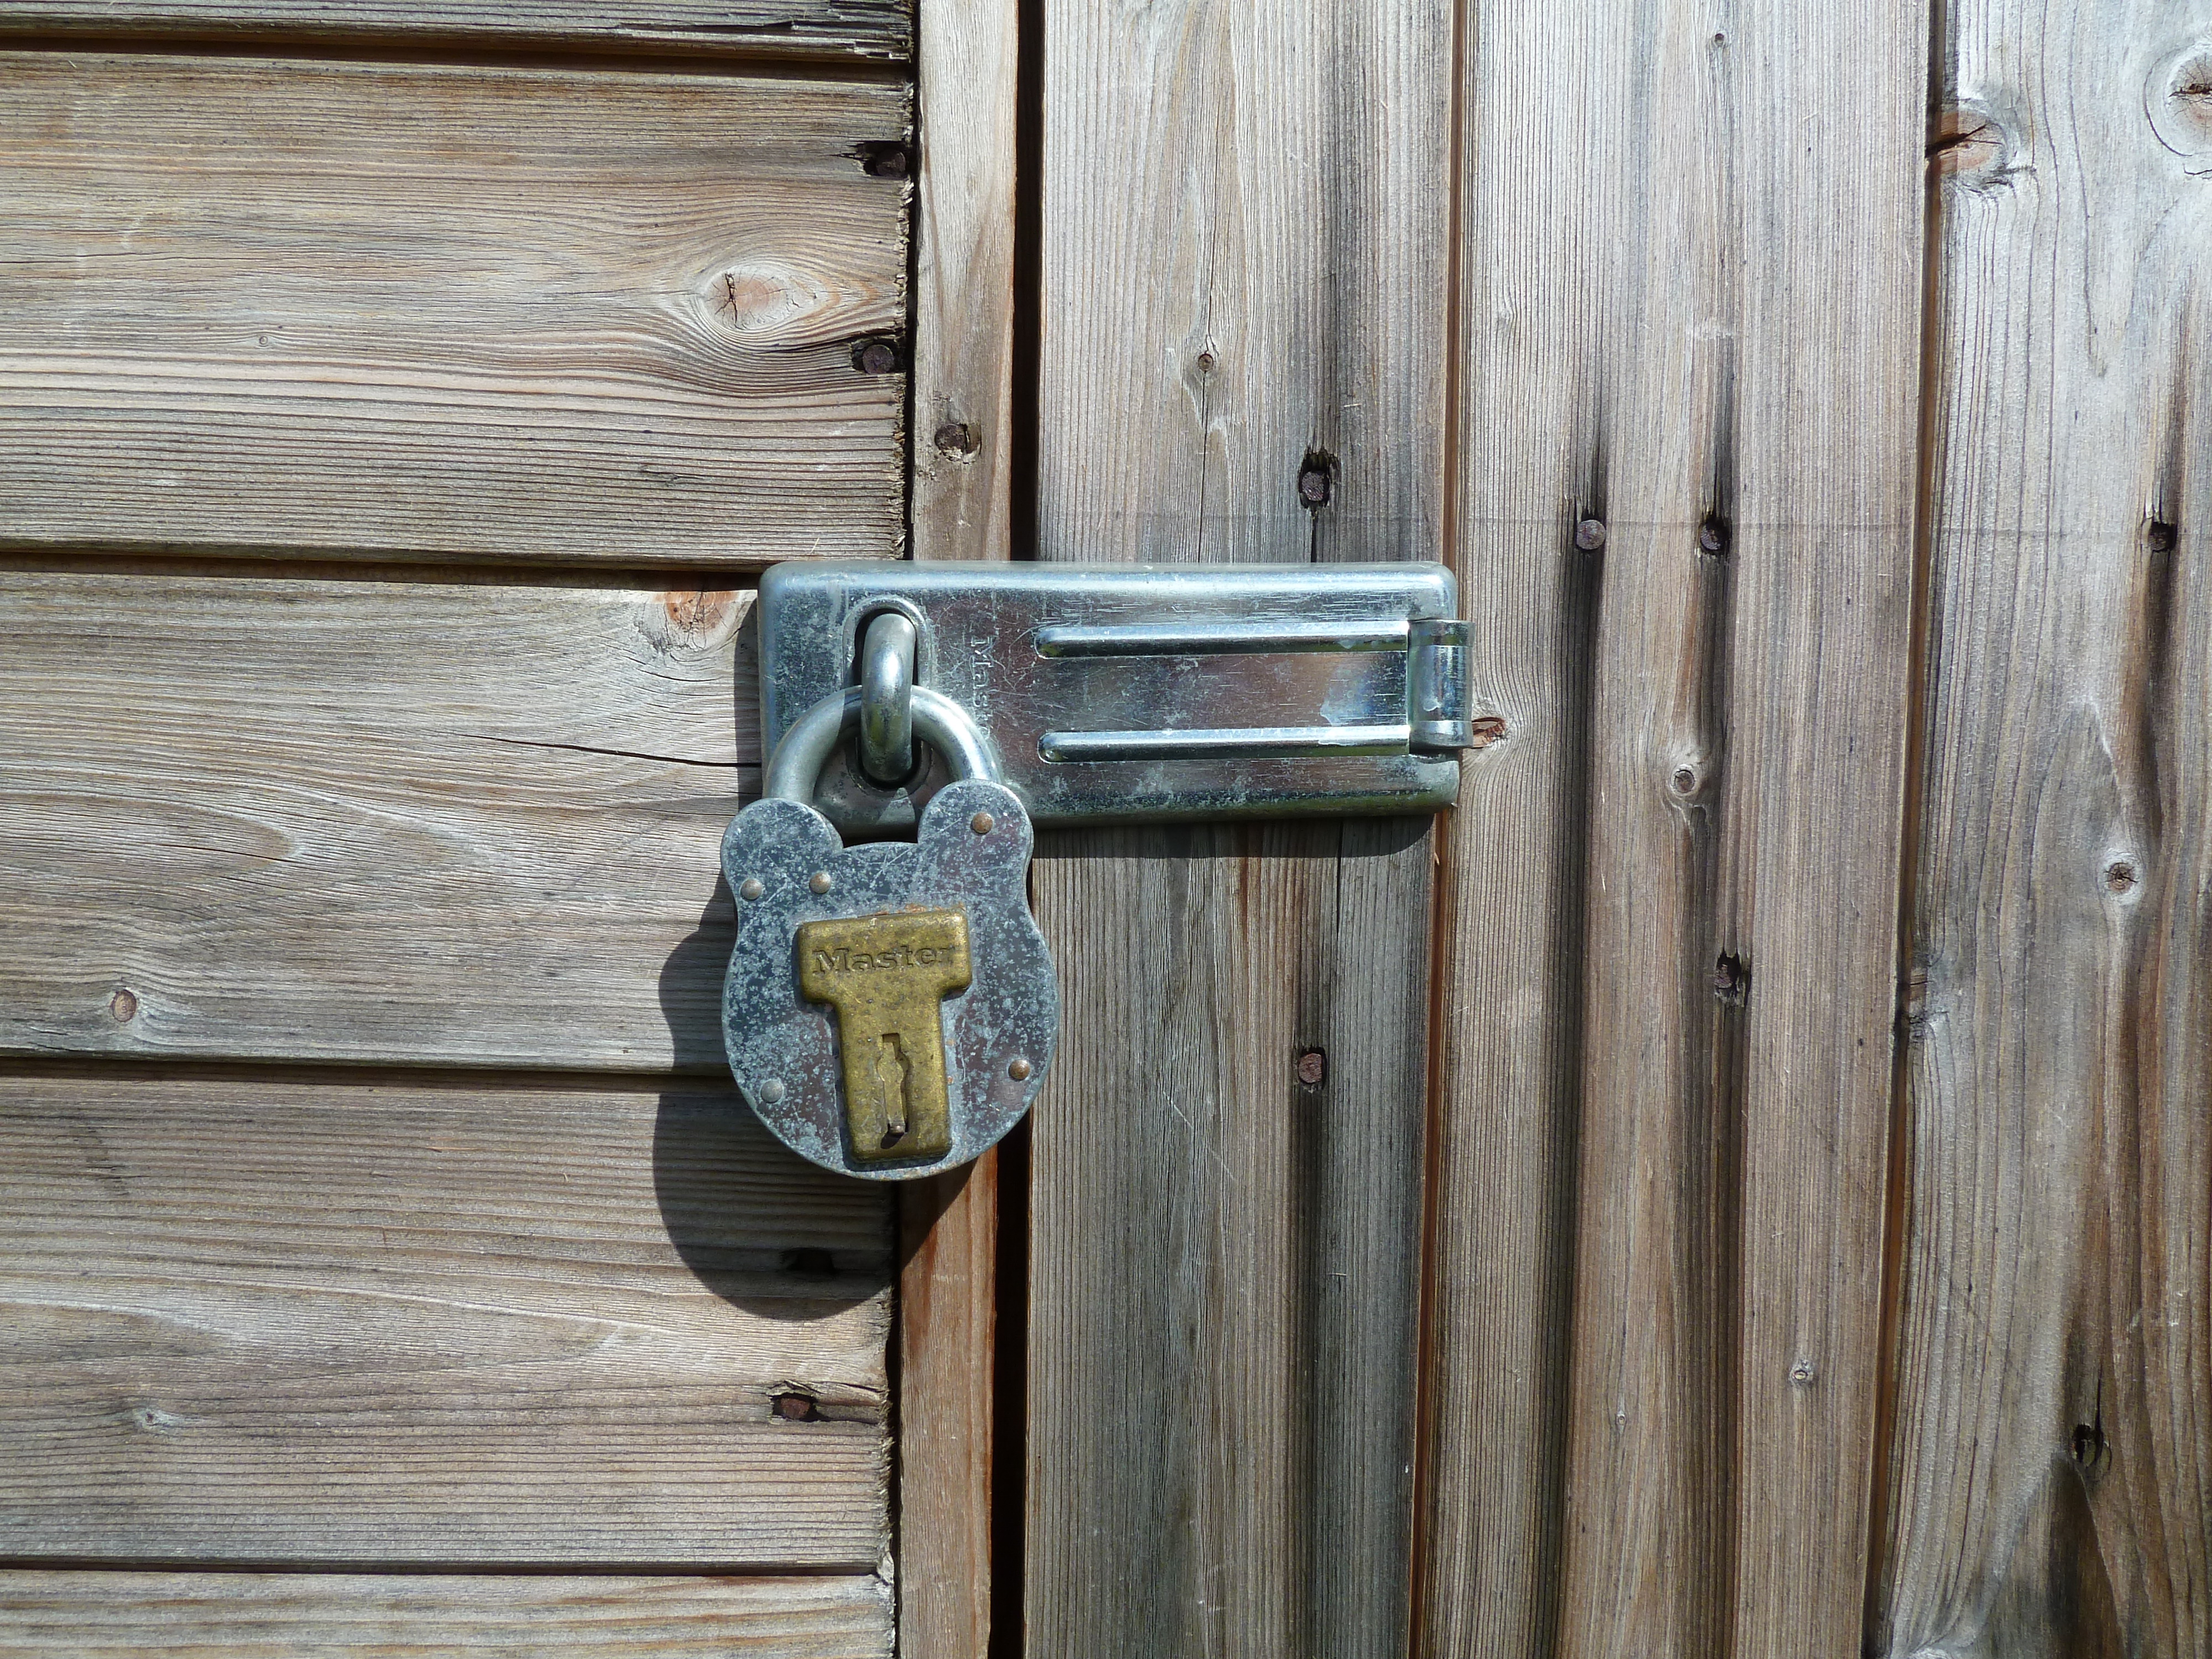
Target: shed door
(395, 404)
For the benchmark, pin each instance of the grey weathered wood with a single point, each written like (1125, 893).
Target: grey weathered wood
(1243, 266)
(331, 1321)
(1232, 267)
(1225, 1261)
(2053, 1451)
(450, 821)
(1689, 281)
(375, 311)
(947, 1390)
(959, 508)
(243, 1615)
(963, 344)
(831, 29)
(1242, 247)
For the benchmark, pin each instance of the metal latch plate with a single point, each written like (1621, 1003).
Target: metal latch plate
(1113, 693)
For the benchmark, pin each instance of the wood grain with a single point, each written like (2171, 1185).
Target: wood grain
(1240, 247)
(2053, 1454)
(1243, 276)
(325, 1322)
(947, 1388)
(1688, 312)
(366, 311)
(959, 508)
(234, 1615)
(429, 821)
(797, 28)
(1224, 1259)
(963, 343)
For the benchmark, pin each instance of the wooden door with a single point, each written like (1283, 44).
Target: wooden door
(1737, 1184)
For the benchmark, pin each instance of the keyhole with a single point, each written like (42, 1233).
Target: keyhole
(890, 1086)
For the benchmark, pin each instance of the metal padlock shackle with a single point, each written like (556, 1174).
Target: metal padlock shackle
(805, 748)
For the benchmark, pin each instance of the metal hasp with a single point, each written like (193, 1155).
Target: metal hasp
(1113, 693)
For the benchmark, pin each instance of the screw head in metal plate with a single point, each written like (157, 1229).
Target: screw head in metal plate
(751, 888)
(820, 882)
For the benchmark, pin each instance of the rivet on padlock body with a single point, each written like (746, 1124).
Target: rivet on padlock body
(928, 1066)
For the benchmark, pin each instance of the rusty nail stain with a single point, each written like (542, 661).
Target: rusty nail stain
(1590, 535)
(2120, 876)
(1313, 1068)
(1486, 730)
(1713, 537)
(2158, 536)
(875, 357)
(798, 1409)
(957, 437)
(123, 1004)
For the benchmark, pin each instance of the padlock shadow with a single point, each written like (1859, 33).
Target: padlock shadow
(761, 1227)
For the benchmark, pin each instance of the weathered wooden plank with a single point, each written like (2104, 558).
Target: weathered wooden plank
(460, 822)
(338, 1322)
(947, 1390)
(963, 342)
(372, 311)
(1243, 283)
(791, 28)
(1669, 945)
(960, 508)
(2053, 1452)
(1224, 1255)
(243, 1615)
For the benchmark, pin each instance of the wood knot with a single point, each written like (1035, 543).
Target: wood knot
(1965, 141)
(1486, 729)
(2179, 99)
(695, 619)
(124, 1006)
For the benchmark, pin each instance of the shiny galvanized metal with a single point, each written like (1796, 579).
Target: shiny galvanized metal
(1120, 692)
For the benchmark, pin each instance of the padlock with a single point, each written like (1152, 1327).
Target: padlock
(891, 1008)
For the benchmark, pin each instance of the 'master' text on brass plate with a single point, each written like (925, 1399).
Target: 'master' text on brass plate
(887, 976)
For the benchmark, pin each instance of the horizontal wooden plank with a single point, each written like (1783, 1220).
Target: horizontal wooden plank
(295, 1322)
(237, 1615)
(424, 822)
(375, 311)
(808, 29)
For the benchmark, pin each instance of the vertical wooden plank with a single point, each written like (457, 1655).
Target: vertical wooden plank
(2052, 1475)
(961, 483)
(964, 281)
(948, 1323)
(1243, 281)
(1688, 302)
